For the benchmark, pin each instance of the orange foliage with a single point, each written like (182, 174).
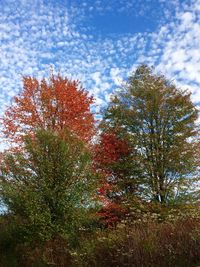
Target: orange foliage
(56, 104)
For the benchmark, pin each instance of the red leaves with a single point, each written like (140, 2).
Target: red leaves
(111, 214)
(56, 104)
(110, 149)
(104, 188)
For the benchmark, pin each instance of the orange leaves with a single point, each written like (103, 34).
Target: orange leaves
(56, 104)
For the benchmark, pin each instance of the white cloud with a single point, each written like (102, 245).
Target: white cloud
(116, 76)
(179, 57)
(36, 35)
(96, 77)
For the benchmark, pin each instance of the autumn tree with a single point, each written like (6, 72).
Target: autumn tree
(48, 188)
(113, 159)
(55, 104)
(158, 121)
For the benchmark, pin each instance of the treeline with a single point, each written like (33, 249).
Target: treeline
(120, 192)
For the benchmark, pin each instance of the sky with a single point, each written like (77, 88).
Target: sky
(99, 42)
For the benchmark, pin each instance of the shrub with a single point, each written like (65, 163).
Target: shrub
(148, 244)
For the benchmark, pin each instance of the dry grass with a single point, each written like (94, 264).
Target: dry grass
(147, 245)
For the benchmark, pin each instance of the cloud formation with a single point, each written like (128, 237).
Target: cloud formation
(35, 35)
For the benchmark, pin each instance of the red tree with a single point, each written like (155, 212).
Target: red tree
(110, 149)
(109, 155)
(55, 103)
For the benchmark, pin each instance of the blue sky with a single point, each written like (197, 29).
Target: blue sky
(99, 42)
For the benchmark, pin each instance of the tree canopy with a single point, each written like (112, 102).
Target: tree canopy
(55, 104)
(48, 187)
(158, 120)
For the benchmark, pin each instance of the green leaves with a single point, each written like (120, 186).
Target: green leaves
(159, 121)
(49, 185)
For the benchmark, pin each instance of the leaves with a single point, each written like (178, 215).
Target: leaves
(55, 104)
(49, 186)
(159, 121)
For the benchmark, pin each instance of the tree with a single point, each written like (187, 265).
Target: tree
(48, 188)
(158, 121)
(113, 159)
(56, 103)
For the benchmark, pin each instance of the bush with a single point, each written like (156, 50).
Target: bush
(149, 244)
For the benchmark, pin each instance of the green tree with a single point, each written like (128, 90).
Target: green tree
(48, 188)
(158, 121)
